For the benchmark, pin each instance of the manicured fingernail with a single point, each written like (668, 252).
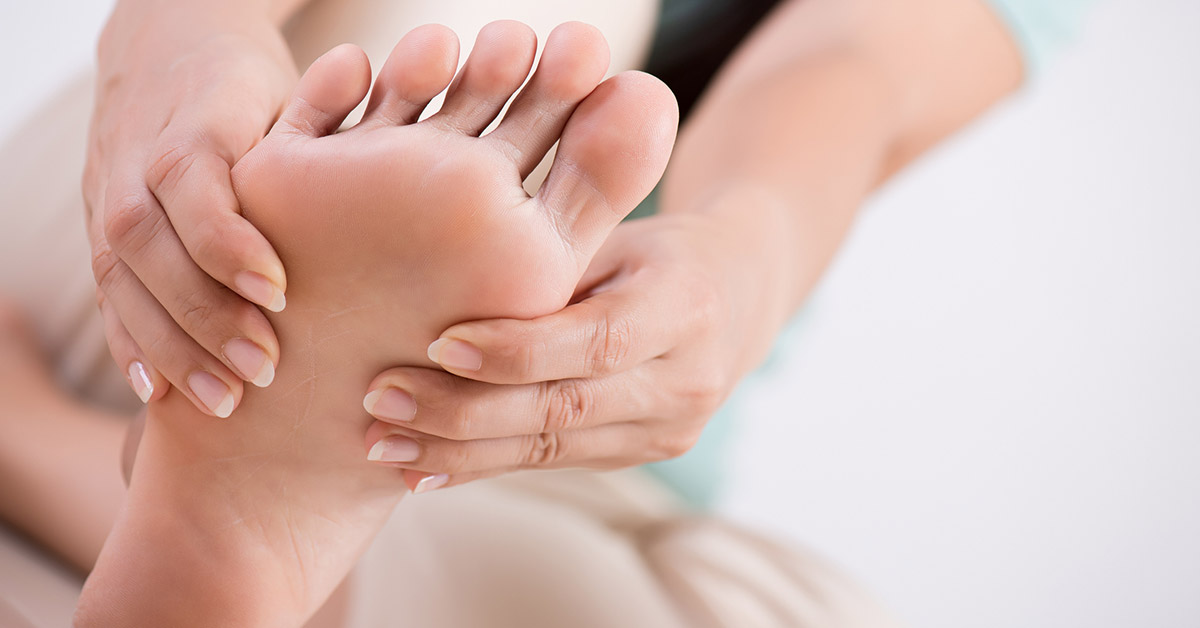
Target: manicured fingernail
(391, 404)
(456, 354)
(260, 290)
(212, 392)
(140, 380)
(251, 361)
(431, 483)
(394, 449)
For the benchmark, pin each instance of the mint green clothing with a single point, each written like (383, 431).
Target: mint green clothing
(1042, 26)
(1039, 28)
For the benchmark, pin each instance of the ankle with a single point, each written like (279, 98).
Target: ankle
(159, 569)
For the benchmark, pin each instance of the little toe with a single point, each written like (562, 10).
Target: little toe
(613, 151)
(332, 87)
(419, 68)
(498, 65)
(573, 62)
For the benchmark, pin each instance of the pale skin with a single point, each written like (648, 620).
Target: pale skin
(855, 101)
(824, 102)
(266, 513)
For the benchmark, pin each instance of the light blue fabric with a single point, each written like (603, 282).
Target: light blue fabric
(1042, 26)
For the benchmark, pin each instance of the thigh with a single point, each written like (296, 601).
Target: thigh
(577, 548)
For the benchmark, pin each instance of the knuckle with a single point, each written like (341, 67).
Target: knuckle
(519, 358)
(160, 347)
(707, 306)
(677, 443)
(612, 341)
(706, 390)
(568, 406)
(544, 450)
(170, 165)
(211, 239)
(130, 222)
(460, 425)
(452, 459)
(196, 315)
(104, 268)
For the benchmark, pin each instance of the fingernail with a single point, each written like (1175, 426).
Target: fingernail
(260, 290)
(390, 403)
(431, 483)
(212, 392)
(251, 361)
(394, 449)
(456, 354)
(140, 380)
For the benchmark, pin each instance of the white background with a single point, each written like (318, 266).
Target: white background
(992, 416)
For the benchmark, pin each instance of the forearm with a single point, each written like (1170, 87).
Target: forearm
(164, 24)
(227, 12)
(821, 105)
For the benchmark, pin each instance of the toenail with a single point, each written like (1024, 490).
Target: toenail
(391, 404)
(212, 392)
(431, 483)
(251, 361)
(394, 449)
(456, 354)
(260, 290)
(140, 380)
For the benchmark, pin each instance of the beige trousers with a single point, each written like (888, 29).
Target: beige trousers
(541, 549)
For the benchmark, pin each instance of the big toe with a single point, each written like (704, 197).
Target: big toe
(613, 152)
(329, 90)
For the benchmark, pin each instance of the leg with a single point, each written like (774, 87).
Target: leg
(391, 231)
(59, 460)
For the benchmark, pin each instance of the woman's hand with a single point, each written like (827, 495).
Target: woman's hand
(182, 93)
(673, 311)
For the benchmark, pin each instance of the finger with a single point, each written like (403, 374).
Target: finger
(608, 446)
(418, 482)
(223, 324)
(208, 383)
(439, 404)
(147, 383)
(609, 332)
(192, 183)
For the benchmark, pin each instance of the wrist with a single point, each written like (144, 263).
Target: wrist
(141, 30)
(745, 236)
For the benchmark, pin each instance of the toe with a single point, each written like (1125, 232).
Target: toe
(333, 85)
(419, 68)
(613, 151)
(573, 62)
(498, 65)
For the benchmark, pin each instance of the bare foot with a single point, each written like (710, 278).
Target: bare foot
(391, 232)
